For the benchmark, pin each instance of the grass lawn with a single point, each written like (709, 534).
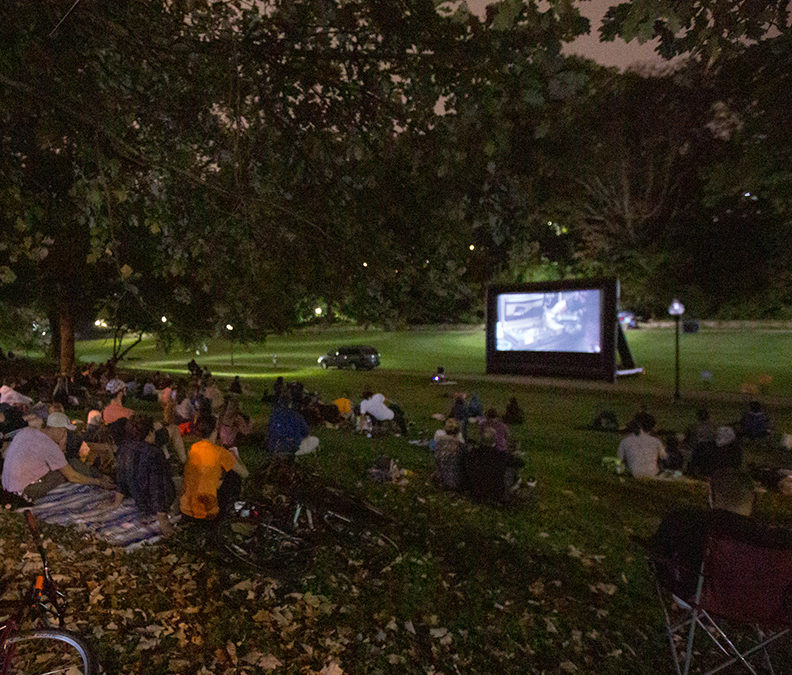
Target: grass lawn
(732, 356)
(549, 584)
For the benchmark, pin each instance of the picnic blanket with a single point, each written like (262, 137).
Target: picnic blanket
(87, 508)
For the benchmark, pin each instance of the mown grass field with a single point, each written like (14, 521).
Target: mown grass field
(548, 584)
(731, 356)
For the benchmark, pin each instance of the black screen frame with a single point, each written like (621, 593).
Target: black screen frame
(592, 366)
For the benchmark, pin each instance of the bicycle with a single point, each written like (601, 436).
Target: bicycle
(250, 533)
(45, 649)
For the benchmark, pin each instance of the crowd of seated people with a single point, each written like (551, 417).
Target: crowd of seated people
(483, 462)
(117, 447)
(704, 448)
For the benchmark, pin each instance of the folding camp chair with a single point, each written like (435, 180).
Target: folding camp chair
(739, 585)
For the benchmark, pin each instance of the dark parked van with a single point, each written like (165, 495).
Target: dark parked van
(355, 357)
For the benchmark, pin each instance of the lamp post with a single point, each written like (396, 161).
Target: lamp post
(676, 309)
(230, 330)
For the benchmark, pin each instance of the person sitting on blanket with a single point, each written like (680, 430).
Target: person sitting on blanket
(212, 476)
(679, 545)
(115, 410)
(34, 462)
(142, 472)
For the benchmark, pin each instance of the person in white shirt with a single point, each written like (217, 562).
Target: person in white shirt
(374, 405)
(640, 451)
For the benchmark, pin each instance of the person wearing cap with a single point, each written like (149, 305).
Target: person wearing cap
(115, 410)
(113, 385)
(35, 463)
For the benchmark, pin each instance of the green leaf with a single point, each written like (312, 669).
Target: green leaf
(7, 275)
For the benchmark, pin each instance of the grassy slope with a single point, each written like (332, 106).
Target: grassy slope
(523, 588)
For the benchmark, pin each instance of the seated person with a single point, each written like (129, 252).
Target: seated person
(680, 542)
(288, 431)
(675, 457)
(133, 387)
(514, 414)
(149, 392)
(755, 424)
(700, 444)
(501, 431)
(448, 444)
(374, 405)
(183, 410)
(492, 474)
(142, 472)
(114, 385)
(475, 408)
(640, 451)
(115, 410)
(459, 411)
(381, 410)
(344, 405)
(215, 396)
(62, 394)
(35, 464)
(8, 394)
(702, 431)
(212, 476)
(450, 430)
(232, 424)
(12, 417)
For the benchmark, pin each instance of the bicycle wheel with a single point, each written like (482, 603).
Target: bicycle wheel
(375, 545)
(260, 545)
(49, 651)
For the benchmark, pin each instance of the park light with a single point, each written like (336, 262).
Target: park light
(472, 247)
(676, 309)
(365, 264)
(164, 319)
(229, 327)
(318, 311)
(100, 323)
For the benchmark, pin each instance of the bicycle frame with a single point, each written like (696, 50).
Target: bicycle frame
(43, 599)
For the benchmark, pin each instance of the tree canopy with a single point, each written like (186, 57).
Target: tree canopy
(240, 163)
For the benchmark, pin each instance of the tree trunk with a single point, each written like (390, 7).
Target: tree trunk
(54, 329)
(67, 356)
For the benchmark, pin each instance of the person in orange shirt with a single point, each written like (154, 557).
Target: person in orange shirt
(115, 410)
(344, 405)
(212, 476)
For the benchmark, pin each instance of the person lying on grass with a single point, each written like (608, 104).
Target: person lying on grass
(142, 472)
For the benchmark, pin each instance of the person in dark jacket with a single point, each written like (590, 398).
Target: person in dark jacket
(288, 431)
(142, 472)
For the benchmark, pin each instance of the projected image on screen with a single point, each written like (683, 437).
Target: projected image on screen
(551, 321)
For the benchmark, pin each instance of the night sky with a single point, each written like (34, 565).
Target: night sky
(617, 53)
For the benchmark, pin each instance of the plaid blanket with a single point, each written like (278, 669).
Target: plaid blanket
(87, 508)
